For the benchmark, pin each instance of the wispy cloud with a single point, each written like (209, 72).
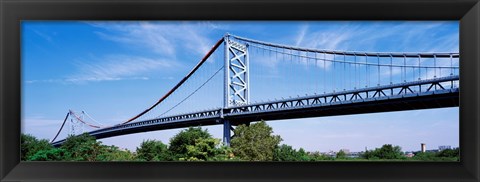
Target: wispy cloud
(167, 39)
(37, 121)
(403, 37)
(113, 68)
(44, 36)
(117, 67)
(329, 39)
(301, 34)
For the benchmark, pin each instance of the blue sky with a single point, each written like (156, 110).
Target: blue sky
(114, 70)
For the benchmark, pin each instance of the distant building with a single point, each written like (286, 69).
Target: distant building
(444, 147)
(346, 151)
(354, 154)
(423, 147)
(409, 154)
(330, 153)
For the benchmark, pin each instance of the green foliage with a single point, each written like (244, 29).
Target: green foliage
(387, 151)
(444, 155)
(73, 142)
(207, 149)
(252, 143)
(113, 153)
(52, 154)
(424, 156)
(287, 153)
(202, 150)
(179, 142)
(30, 145)
(317, 156)
(79, 148)
(84, 148)
(152, 150)
(341, 155)
(255, 142)
(450, 153)
(224, 153)
(89, 150)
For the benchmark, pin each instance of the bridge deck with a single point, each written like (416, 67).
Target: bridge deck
(395, 97)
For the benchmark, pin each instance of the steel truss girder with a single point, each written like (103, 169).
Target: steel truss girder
(358, 95)
(170, 119)
(237, 91)
(435, 86)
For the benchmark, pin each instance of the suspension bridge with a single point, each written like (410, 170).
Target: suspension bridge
(242, 80)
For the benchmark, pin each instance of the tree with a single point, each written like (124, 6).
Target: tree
(287, 153)
(73, 142)
(444, 155)
(208, 149)
(224, 153)
(317, 156)
(449, 153)
(390, 152)
(387, 151)
(153, 150)
(90, 150)
(255, 142)
(113, 153)
(179, 142)
(29, 145)
(84, 148)
(341, 155)
(51, 154)
(425, 156)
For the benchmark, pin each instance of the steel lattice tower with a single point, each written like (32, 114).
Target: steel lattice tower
(236, 81)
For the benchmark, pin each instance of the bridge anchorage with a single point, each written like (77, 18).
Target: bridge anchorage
(351, 82)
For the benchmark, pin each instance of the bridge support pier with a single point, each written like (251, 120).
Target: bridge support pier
(227, 132)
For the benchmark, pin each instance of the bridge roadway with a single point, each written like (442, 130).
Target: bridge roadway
(432, 93)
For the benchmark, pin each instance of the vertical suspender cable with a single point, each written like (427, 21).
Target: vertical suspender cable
(324, 72)
(378, 65)
(366, 71)
(334, 74)
(309, 72)
(419, 67)
(344, 72)
(315, 73)
(355, 59)
(451, 64)
(391, 67)
(404, 68)
(451, 70)
(434, 66)
(299, 63)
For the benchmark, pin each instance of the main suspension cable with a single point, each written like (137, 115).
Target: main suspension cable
(179, 83)
(61, 127)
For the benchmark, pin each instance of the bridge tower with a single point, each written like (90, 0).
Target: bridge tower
(76, 126)
(236, 81)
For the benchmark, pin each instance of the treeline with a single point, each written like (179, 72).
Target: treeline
(250, 143)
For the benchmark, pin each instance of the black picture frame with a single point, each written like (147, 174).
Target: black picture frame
(12, 12)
